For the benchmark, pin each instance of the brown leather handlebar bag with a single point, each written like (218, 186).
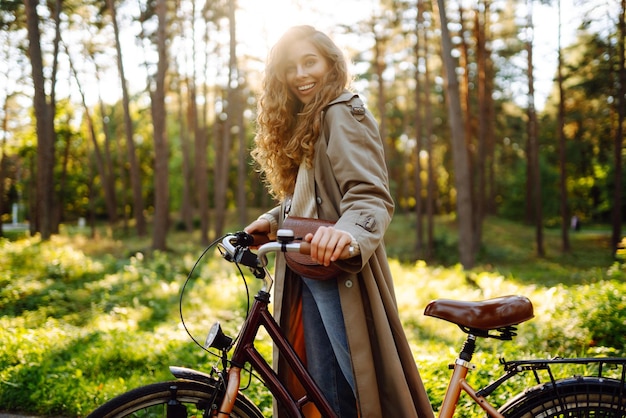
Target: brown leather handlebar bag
(302, 264)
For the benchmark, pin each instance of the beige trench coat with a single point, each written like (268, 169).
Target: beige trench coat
(352, 188)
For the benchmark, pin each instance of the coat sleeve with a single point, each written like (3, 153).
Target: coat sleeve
(356, 155)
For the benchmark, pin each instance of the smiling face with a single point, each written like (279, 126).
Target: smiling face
(305, 70)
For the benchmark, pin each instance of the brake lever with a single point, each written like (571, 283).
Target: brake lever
(242, 254)
(249, 259)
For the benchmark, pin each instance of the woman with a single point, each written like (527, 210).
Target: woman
(321, 156)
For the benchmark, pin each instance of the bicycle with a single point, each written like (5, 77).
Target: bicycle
(217, 394)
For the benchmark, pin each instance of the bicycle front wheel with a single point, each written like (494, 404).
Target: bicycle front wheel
(175, 399)
(589, 397)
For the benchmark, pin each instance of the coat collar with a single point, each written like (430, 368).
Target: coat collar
(343, 97)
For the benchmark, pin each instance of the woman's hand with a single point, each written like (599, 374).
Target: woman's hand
(329, 244)
(261, 230)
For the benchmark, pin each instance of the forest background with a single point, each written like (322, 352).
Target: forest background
(164, 143)
(136, 117)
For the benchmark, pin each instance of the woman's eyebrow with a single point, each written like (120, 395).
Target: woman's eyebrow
(305, 56)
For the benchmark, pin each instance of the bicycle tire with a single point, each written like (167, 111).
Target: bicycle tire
(152, 401)
(588, 397)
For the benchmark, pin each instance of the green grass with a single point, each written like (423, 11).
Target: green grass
(84, 319)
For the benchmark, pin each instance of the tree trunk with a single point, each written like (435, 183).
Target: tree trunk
(242, 166)
(201, 137)
(619, 131)
(222, 164)
(490, 182)
(534, 173)
(3, 158)
(101, 166)
(428, 116)
(565, 221)
(479, 197)
(44, 222)
(420, 97)
(208, 110)
(186, 205)
(459, 149)
(379, 66)
(161, 150)
(58, 205)
(109, 165)
(201, 167)
(135, 176)
(466, 107)
(62, 181)
(464, 93)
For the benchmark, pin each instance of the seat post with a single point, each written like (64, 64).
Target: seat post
(469, 346)
(457, 380)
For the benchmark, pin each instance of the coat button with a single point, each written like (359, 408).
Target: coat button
(348, 284)
(318, 200)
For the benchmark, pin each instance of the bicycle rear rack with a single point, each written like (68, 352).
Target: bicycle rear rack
(601, 365)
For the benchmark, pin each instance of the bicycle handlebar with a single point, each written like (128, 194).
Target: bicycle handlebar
(273, 246)
(237, 248)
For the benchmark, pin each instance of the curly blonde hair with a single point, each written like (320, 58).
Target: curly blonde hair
(286, 129)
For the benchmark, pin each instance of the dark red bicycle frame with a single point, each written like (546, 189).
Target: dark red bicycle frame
(245, 352)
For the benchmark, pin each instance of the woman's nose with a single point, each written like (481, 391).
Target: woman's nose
(300, 72)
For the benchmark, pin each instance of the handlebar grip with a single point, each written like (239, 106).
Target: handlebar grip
(259, 239)
(305, 248)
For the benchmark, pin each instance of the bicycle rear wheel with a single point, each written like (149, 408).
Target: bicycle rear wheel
(589, 397)
(175, 399)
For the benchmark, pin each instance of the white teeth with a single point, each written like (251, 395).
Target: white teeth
(306, 87)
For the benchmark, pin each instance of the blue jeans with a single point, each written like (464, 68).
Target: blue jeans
(327, 352)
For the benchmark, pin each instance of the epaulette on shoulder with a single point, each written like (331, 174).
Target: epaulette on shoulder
(357, 107)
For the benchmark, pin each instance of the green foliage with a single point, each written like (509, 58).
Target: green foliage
(82, 320)
(77, 330)
(599, 322)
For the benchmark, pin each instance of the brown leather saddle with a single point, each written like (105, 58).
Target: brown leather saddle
(479, 318)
